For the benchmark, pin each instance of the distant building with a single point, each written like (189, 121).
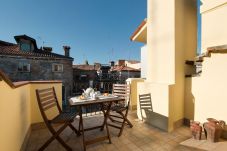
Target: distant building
(24, 61)
(125, 72)
(102, 76)
(129, 63)
(84, 76)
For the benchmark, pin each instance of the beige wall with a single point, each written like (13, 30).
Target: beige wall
(171, 39)
(133, 97)
(160, 41)
(159, 96)
(214, 23)
(209, 90)
(18, 110)
(206, 96)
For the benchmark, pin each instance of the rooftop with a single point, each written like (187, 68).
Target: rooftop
(86, 67)
(13, 50)
(124, 68)
(140, 34)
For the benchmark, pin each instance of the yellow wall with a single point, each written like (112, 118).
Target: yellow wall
(189, 104)
(170, 41)
(214, 23)
(160, 41)
(185, 49)
(14, 116)
(18, 110)
(133, 86)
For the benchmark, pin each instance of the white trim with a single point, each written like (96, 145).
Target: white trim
(57, 64)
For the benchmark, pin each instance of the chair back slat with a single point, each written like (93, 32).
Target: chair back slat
(121, 95)
(46, 103)
(145, 101)
(47, 99)
(45, 90)
(46, 94)
(122, 90)
(53, 104)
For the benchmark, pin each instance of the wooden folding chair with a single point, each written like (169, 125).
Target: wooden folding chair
(121, 90)
(145, 103)
(46, 100)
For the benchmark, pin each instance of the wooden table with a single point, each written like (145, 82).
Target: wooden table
(108, 102)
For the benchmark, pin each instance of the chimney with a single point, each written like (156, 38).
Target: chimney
(67, 50)
(47, 49)
(112, 63)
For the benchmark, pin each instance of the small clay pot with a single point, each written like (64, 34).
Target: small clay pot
(196, 129)
(213, 129)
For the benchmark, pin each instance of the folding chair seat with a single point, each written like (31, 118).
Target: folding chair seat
(121, 108)
(46, 100)
(64, 117)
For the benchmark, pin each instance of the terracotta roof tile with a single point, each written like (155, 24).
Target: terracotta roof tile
(143, 23)
(14, 50)
(133, 61)
(124, 68)
(86, 67)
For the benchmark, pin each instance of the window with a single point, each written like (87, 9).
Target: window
(57, 67)
(84, 77)
(23, 67)
(25, 46)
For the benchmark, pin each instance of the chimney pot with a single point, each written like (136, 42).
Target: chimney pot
(112, 63)
(67, 50)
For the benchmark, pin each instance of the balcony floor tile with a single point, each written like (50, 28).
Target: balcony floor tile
(141, 137)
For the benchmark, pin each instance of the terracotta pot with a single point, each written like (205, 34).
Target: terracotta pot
(213, 129)
(196, 129)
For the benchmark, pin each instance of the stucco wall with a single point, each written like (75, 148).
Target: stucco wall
(209, 90)
(161, 41)
(213, 23)
(134, 93)
(143, 53)
(14, 115)
(206, 94)
(18, 110)
(170, 41)
(185, 49)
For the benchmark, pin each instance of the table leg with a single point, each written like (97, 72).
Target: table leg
(82, 127)
(106, 116)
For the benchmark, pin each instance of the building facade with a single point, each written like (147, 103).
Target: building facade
(24, 61)
(84, 76)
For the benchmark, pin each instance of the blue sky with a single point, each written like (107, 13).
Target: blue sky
(96, 30)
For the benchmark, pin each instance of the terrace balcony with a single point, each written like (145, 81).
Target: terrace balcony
(22, 127)
(141, 137)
